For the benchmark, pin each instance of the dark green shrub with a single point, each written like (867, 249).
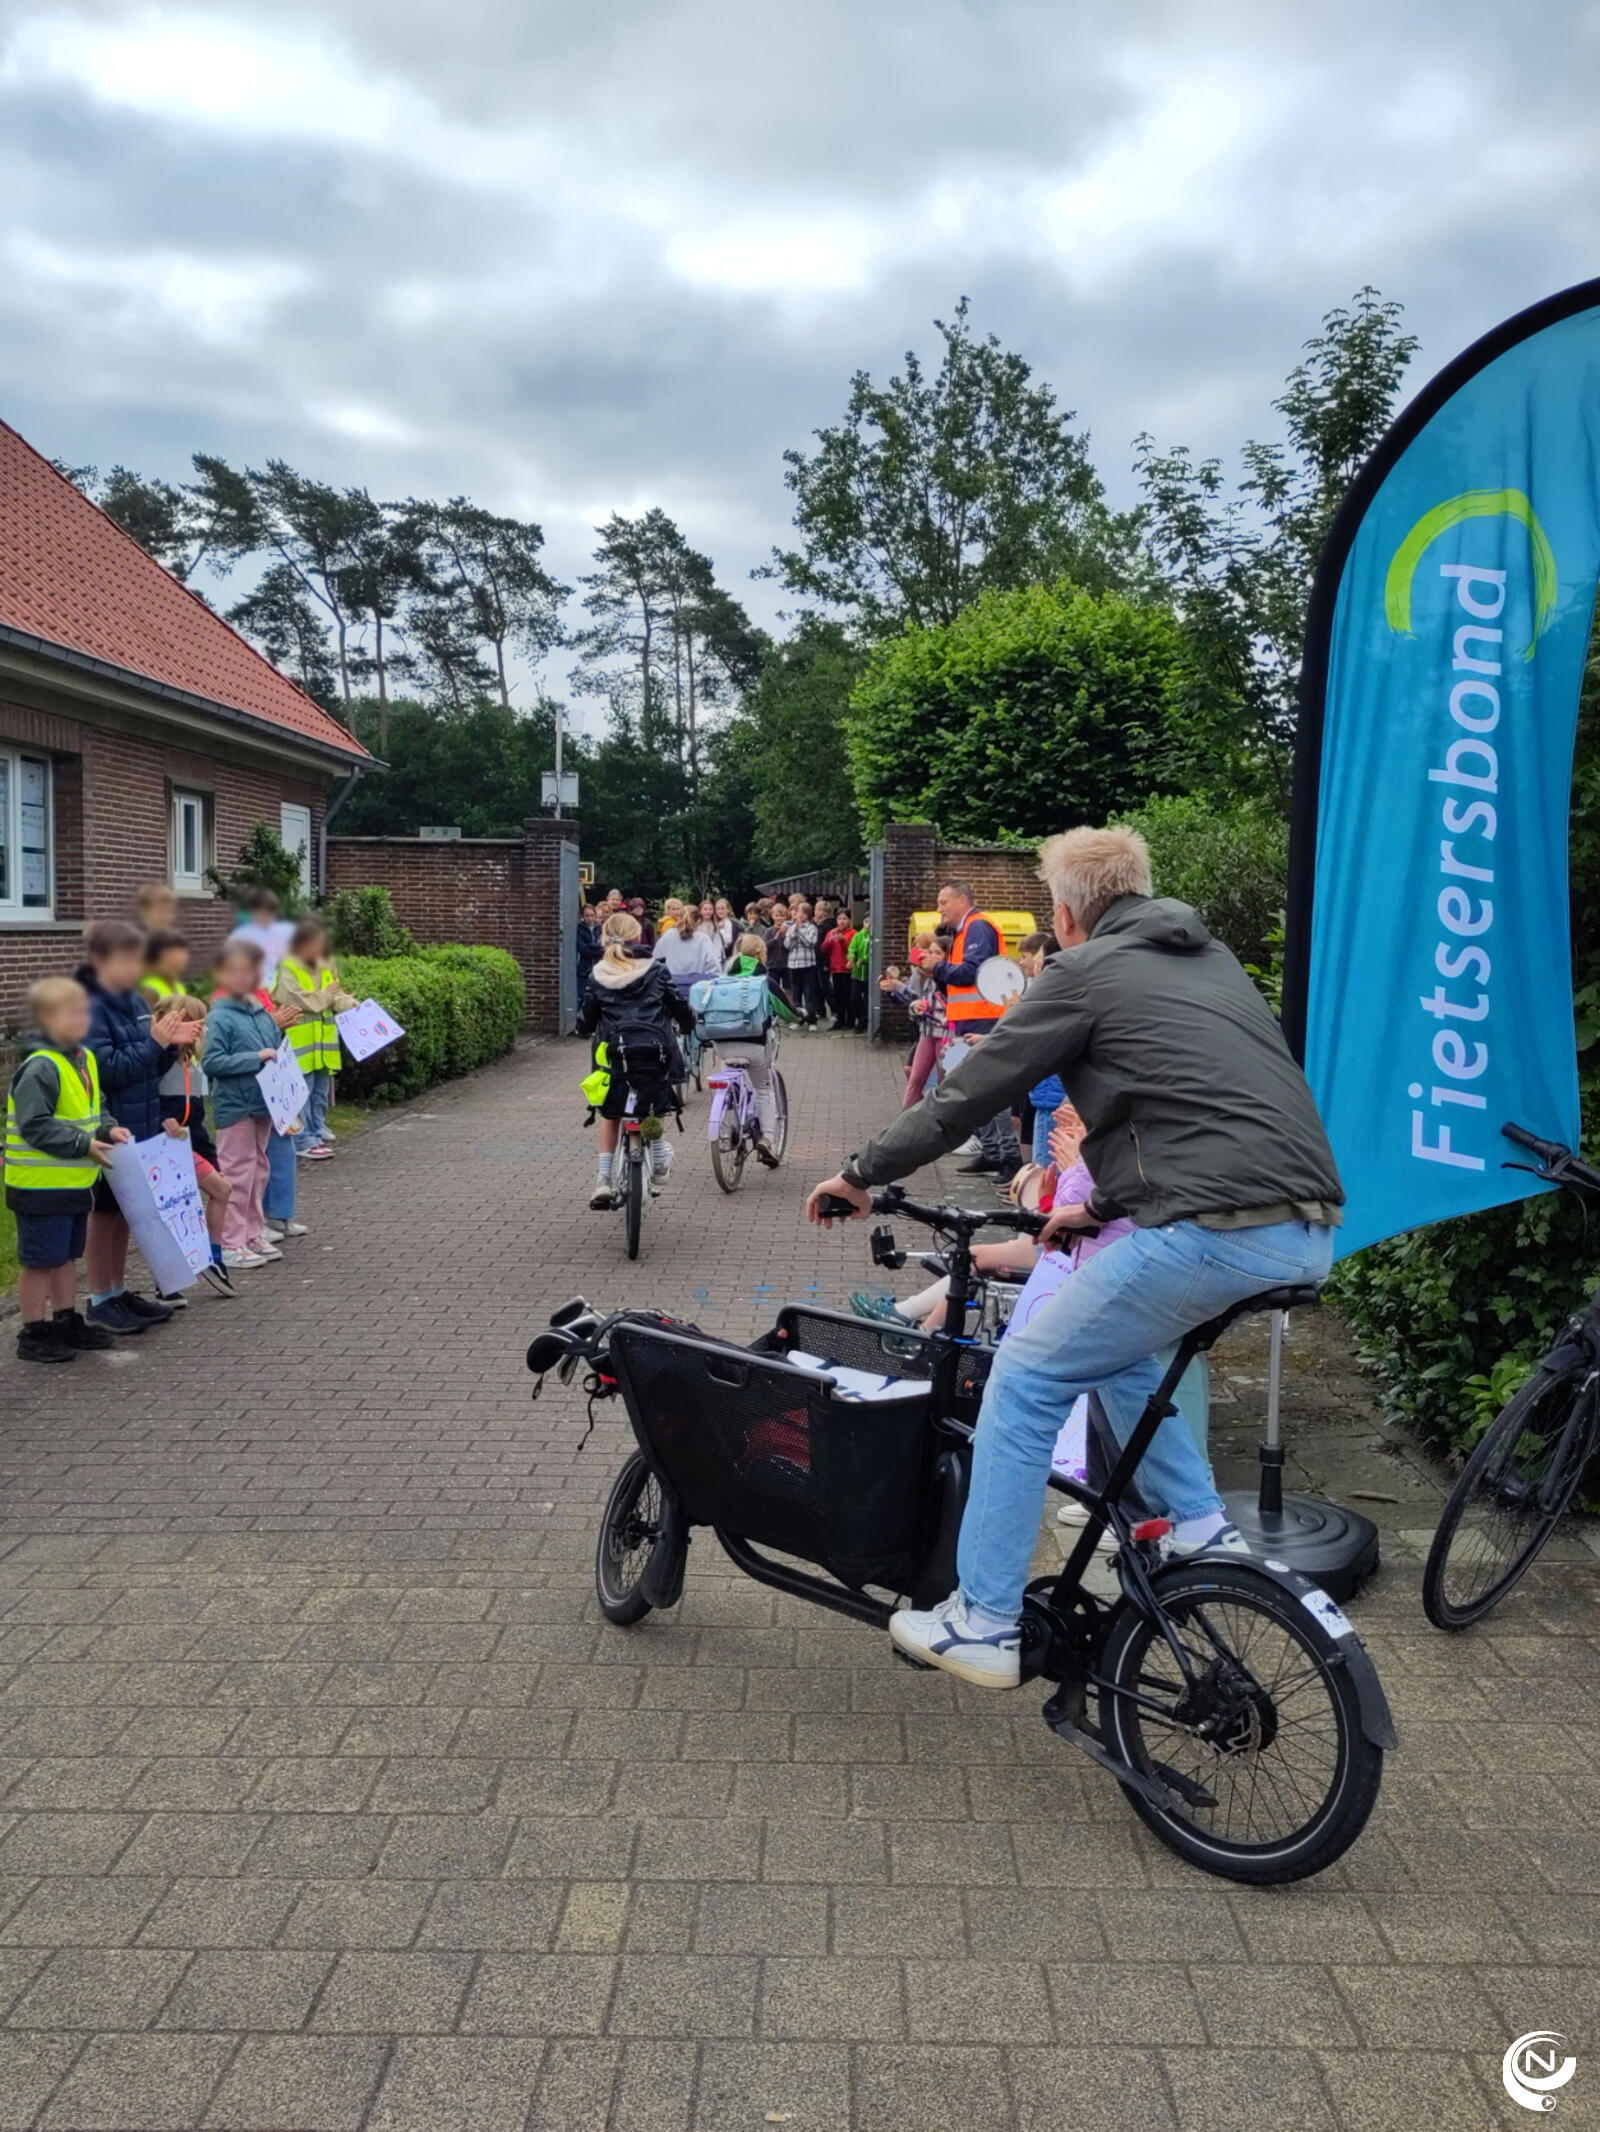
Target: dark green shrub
(265, 861)
(459, 1006)
(362, 921)
(1231, 863)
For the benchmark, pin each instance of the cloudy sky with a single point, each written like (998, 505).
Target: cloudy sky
(570, 259)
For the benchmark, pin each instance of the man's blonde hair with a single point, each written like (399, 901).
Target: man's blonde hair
(1088, 869)
(50, 993)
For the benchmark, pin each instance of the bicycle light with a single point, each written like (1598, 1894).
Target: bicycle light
(885, 1252)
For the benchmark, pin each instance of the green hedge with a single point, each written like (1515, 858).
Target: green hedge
(459, 1006)
(1230, 862)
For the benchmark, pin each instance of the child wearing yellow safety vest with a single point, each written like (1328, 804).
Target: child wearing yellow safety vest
(58, 1134)
(166, 965)
(307, 980)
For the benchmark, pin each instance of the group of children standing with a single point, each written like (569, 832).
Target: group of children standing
(124, 1050)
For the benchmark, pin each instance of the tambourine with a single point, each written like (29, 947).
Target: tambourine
(953, 1053)
(999, 979)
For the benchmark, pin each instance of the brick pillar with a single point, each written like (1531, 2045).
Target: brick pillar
(910, 883)
(541, 938)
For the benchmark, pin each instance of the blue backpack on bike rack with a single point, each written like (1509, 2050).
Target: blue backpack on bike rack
(731, 1009)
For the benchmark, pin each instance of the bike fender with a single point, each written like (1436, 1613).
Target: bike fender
(1377, 1722)
(662, 1580)
(719, 1103)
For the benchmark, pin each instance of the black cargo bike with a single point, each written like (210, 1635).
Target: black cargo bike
(1230, 1699)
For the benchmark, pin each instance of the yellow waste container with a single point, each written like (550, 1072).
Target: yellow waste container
(1012, 926)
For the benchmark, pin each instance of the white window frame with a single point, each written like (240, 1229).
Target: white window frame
(12, 907)
(189, 881)
(304, 843)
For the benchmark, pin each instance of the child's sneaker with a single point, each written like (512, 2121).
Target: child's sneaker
(42, 1343)
(114, 1316)
(263, 1250)
(603, 1197)
(320, 1153)
(295, 1228)
(219, 1278)
(328, 1134)
(243, 1258)
(73, 1330)
(660, 1165)
(142, 1307)
(269, 1235)
(174, 1301)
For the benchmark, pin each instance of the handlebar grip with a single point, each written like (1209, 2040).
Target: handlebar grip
(1546, 1150)
(830, 1207)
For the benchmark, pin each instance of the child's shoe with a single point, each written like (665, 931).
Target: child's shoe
(175, 1301)
(295, 1228)
(114, 1315)
(320, 1153)
(263, 1250)
(660, 1161)
(243, 1258)
(269, 1235)
(73, 1330)
(217, 1276)
(41, 1342)
(604, 1196)
(142, 1307)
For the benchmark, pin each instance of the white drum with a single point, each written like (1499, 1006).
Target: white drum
(999, 979)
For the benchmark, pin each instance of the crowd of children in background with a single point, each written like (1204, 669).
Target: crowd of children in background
(814, 953)
(127, 1048)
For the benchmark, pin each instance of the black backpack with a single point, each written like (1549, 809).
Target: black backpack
(641, 1044)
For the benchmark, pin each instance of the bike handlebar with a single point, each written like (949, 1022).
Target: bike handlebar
(1557, 1164)
(892, 1200)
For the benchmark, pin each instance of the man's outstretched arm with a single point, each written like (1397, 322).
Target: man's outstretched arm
(1041, 1035)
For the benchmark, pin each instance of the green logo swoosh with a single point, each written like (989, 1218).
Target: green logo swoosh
(1454, 511)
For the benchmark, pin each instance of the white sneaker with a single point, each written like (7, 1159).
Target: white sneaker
(263, 1250)
(295, 1228)
(660, 1160)
(972, 1145)
(603, 1197)
(1229, 1541)
(942, 1637)
(245, 1258)
(268, 1236)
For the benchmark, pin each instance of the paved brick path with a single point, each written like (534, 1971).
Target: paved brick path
(327, 1799)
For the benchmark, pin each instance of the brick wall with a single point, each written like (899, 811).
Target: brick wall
(916, 865)
(112, 822)
(498, 892)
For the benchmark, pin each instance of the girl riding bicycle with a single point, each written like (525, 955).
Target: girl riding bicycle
(635, 1012)
(749, 959)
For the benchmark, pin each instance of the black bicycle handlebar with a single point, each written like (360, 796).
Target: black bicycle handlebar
(1557, 1164)
(892, 1200)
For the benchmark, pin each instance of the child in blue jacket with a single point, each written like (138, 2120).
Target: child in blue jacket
(240, 1038)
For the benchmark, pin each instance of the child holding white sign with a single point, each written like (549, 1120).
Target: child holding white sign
(58, 1132)
(241, 1036)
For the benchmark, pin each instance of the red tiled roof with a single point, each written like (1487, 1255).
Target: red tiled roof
(70, 575)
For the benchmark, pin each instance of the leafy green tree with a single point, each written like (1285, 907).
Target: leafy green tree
(477, 767)
(212, 519)
(264, 861)
(933, 490)
(1240, 564)
(792, 737)
(1030, 710)
(488, 566)
(281, 619)
(316, 531)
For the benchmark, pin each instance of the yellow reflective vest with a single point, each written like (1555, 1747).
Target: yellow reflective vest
(315, 1038)
(161, 987)
(28, 1168)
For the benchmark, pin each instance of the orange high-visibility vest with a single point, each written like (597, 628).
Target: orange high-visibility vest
(966, 1010)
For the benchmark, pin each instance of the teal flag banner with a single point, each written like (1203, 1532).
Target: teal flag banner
(1428, 983)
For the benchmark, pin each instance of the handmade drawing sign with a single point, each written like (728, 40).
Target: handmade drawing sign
(367, 1028)
(155, 1185)
(1427, 971)
(284, 1087)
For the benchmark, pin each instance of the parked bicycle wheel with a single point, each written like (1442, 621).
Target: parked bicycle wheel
(633, 1194)
(1266, 1748)
(1510, 1495)
(729, 1150)
(629, 1531)
(779, 1140)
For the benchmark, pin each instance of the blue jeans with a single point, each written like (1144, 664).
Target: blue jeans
(1099, 1332)
(314, 1116)
(277, 1202)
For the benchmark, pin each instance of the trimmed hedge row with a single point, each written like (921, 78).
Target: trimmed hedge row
(459, 1006)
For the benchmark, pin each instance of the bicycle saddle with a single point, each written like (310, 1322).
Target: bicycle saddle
(1300, 1297)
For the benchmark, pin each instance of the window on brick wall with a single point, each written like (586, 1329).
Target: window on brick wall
(190, 812)
(27, 841)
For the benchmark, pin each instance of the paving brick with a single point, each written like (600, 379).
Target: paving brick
(937, 2091)
(377, 1993)
(540, 1995)
(66, 1843)
(218, 1913)
(353, 1912)
(745, 2084)
(1255, 2091)
(694, 1995)
(458, 2084)
(193, 1844)
(99, 1987)
(32, 2065)
(501, 1914)
(314, 2083)
(72, 1912)
(842, 1999)
(1100, 2091)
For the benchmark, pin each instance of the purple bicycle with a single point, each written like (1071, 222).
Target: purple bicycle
(735, 1123)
